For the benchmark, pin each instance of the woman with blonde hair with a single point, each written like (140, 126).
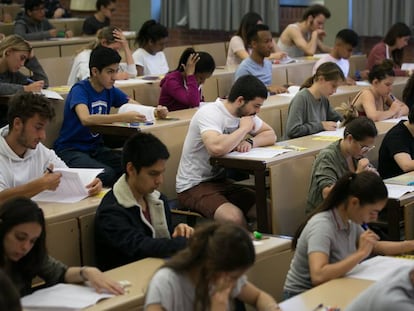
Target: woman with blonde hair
(15, 53)
(110, 37)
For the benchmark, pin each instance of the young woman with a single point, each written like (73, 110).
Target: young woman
(181, 88)
(149, 57)
(392, 47)
(208, 273)
(15, 53)
(310, 111)
(238, 47)
(332, 241)
(377, 102)
(110, 37)
(340, 157)
(23, 254)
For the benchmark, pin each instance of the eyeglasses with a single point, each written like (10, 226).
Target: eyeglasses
(365, 149)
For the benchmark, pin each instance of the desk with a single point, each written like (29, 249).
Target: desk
(60, 47)
(335, 293)
(287, 172)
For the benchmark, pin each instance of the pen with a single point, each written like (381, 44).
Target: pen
(392, 97)
(365, 226)
(49, 170)
(29, 80)
(318, 307)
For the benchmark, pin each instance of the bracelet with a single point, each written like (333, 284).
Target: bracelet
(250, 141)
(81, 273)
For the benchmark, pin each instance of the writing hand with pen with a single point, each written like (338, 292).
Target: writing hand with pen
(94, 187)
(50, 180)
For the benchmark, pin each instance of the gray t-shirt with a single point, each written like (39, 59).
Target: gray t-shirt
(306, 114)
(176, 292)
(394, 293)
(326, 233)
(329, 166)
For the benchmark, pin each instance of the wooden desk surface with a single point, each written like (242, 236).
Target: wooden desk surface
(335, 293)
(139, 273)
(62, 41)
(54, 211)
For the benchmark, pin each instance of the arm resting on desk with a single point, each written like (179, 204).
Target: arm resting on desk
(394, 248)
(88, 119)
(404, 161)
(253, 296)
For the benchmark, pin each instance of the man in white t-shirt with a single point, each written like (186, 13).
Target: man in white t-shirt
(215, 130)
(346, 40)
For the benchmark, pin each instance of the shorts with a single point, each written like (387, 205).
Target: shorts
(206, 197)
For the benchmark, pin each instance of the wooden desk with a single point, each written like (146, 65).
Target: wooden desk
(60, 47)
(287, 172)
(139, 273)
(335, 293)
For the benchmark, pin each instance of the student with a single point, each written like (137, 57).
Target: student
(215, 130)
(110, 37)
(15, 53)
(149, 57)
(54, 9)
(101, 18)
(305, 37)
(26, 165)
(340, 157)
(377, 102)
(133, 220)
(394, 293)
(33, 24)
(9, 297)
(208, 274)
(346, 40)
(392, 47)
(181, 88)
(239, 48)
(396, 153)
(88, 103)
(310, 111)
(408, 92)
(332, 241)
(260, 40)
(23, 253)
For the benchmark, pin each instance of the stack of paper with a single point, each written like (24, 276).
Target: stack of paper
(397, 191)
(63, 297)
(72, 187)
(258, 153)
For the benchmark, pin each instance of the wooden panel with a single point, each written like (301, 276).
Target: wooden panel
(147, 94)
(297, 73)
(288, 211)
(216, 50)
(87, 239)
(47, 51)
(173, 55)
(70, 50)
(62, 240)
(210, 89)
(57, 69)
(74, 24)
(272, 116)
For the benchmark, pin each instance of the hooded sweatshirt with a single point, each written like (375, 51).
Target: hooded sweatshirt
(30, 29)
(16, 171)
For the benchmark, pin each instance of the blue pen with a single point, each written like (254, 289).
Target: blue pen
(392, 97)
(365, 226)
(29, 80)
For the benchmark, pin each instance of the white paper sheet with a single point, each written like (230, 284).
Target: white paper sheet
(72, 187)
(63, 297)
(407, 66)
(378, 267)
(397, 191)
(363, 83)
(147, 111)
(51, 94)
(258, 153)
(133, 81)
(396, 120)
(338, 133)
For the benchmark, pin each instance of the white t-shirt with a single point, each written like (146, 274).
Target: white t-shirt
(153, 64)
(16, 171)
(235, 45)
(194, 166)
(80, 67)
(176, 292)
(342, 63)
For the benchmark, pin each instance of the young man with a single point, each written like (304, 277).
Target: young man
(88, 103)
(133, 220)
(33, 24)
(396, 154)
(215, 130)
(104, 10)
(305, 37)
(26, 165)
(346, 40)
(260, 40)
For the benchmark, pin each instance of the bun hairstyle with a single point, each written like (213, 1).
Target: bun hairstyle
(382, 71)
(150, 30)
(329, 71)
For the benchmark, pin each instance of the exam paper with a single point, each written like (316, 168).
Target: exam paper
(337, 133)
(72, 187)
(397, 191)
(378, 267)
(63, 297)
(51, 94)
(396, 120)
(147, 111)
(258, 153)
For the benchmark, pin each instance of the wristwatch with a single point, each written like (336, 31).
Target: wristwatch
(250, 141)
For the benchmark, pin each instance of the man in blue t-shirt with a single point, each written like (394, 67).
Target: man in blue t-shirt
(89, 103)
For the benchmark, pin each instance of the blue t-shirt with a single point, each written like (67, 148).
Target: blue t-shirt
(73, 134)
(249, 67)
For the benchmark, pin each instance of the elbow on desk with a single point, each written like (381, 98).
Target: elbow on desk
(216, 152)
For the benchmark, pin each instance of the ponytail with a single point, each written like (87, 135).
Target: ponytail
(329, 71)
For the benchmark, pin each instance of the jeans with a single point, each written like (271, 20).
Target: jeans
(101, 157)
